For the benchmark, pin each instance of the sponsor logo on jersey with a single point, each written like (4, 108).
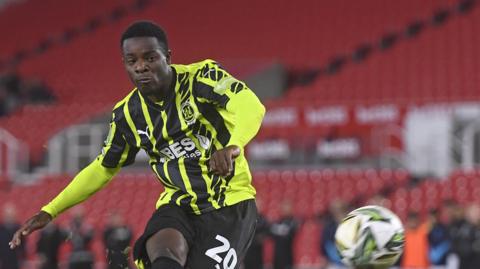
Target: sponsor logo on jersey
(184, 148)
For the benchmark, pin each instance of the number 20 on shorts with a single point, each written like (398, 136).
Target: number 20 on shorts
(230, 259)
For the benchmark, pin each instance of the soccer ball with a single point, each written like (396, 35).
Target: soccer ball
(370, 237)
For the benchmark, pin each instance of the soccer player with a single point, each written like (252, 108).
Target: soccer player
(193, 121)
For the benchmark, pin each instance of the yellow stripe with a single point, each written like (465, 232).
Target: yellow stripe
(128, 117)
(146, 115)
(108, 145)
(167, 175)
(179, 199)
(164, 181)
(124, 100)
(124, 154)
(188, 186)
(151, 137)
(208, 182)
(165, 199)
(164, 127)
(169, 195)
(139, 264)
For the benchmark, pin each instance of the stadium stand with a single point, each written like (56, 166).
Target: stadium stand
(383, 75)
(439, 64)
(128, 192)
(448, 58)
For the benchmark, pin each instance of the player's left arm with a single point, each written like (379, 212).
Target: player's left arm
(241, 103)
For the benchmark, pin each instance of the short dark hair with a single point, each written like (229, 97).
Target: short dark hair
(146, 29)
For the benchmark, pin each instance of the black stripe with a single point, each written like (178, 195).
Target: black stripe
(199, 186)
(216, 120)
(221, 199)
(184, 82)
(122, 125)
(176, 178)
(184, 98)
(114, 153)
(175, 196)
(196, 127)
(222, 191)
(174, 175)
(132, 153)
(172, 120)
(158, 122)
(186, 203)
(136, 112)
(202, 90)
(162, 177)
(216, 183)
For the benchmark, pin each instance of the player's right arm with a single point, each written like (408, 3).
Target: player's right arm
(115, 154)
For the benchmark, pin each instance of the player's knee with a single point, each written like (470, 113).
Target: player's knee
(168, 243)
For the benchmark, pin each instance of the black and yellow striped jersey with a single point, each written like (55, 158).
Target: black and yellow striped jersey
(203, 112)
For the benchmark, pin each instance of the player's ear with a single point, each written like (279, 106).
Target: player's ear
(169, 57)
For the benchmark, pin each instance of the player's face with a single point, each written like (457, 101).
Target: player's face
(147, 65)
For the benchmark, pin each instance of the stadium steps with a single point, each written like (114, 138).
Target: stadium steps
(30, 23)
(440, 65)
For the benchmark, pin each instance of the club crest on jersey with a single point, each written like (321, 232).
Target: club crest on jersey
(188, 113)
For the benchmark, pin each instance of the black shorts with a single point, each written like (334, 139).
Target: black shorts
(220, 237)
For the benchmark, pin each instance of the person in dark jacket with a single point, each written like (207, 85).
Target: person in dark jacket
(9, 259)
(117, 238)
(438, 240)
(48, 245)
(337, 211)
(283, 232)
(81, 238)
(460, 232)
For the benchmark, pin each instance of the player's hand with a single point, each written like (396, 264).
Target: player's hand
(221, 162)
(38, 221)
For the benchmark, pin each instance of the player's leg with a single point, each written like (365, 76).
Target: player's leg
(167, 249)
(166, 240)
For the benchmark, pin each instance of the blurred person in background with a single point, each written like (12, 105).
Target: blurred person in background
(117, 237)
(473, 217)
(3, 100)
(9, 259)
(10, 96)
(15, 92)
(283, 232)
(81, 237)
(254, 257)
(415, 253)
(438, 241)
(35, 91)
(459, 230)
(48, 245)
(337, 211)
(379, 199)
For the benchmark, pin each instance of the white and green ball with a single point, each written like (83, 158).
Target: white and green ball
(370, 237)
